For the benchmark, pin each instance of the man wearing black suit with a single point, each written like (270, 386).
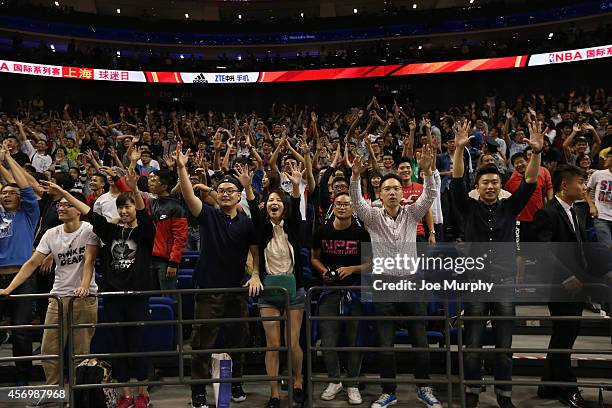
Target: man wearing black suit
(558, 223)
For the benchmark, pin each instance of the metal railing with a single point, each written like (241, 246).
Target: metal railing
(180, 353)
(450, 380)
(59, 326)
(448, 321)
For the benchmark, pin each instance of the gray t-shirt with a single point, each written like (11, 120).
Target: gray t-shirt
(69, 254)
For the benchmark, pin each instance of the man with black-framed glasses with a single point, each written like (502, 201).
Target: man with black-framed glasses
(227, 235)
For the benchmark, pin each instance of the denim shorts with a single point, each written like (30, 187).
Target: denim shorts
(296, 302)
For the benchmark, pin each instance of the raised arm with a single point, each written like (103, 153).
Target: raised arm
(432, 184)
(363, 210)
(536, 141)
(193, 202)
(18, 172)
(461, 141)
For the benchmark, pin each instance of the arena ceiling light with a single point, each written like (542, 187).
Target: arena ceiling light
(240, 58)
(420, 47)
(52, 48)
(186, 15)
(354, 11)
(118, 53)
(239, 16)
(118, 11)
(471, 1)
(550, 36)
(182, 56)
(302, 14)
(56, 4)
(414, 6)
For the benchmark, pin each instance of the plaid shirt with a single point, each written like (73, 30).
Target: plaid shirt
(393, 237)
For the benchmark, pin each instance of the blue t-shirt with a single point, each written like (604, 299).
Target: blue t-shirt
(17, 230)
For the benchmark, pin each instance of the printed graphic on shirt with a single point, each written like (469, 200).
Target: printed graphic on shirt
(605, 192)
(340, 246)
(123, 253)
(6, 224)
(72, 256)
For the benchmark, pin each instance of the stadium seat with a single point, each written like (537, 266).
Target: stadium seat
(160, 338)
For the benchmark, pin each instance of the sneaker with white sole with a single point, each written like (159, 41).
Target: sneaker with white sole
(427, 397)
(354, 396)
(384, 401)
(331, 391)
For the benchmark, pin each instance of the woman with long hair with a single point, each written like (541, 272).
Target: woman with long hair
(278, 224)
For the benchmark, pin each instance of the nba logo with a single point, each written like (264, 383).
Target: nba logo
(551, 58)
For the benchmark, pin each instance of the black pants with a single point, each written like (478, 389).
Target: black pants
(20, 312)
(386, 338)
(558, 366)
(128, 338)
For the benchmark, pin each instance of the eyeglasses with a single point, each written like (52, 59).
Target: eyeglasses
(10, 192)
(228, 192)
(388, 188)
(342, 205)
(341, 187)
(63, 206)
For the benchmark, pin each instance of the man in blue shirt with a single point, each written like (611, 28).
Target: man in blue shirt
(226, 236)
(19, 214)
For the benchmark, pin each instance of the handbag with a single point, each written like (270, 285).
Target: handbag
(277, 297)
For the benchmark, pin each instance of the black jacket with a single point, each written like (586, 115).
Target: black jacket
(565, 257)
(291, 226)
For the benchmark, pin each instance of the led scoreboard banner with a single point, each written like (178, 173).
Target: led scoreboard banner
(485, 64)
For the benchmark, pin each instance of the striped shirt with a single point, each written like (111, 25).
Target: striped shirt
(393, 237)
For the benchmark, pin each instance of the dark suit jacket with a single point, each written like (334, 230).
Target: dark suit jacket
(564, 257)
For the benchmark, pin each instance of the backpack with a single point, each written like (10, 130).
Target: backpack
(94, 371)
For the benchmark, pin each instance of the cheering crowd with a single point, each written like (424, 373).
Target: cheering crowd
(137, 187)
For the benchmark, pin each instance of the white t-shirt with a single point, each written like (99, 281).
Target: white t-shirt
(69, 254)
(287, 187)
(106, 205)
(601, 182)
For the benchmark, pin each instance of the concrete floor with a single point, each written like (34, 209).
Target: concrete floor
(258, 394)
(523, 397)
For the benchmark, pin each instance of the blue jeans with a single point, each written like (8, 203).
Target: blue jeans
(603, 229)
(502, 329)
(20, 312)
(193, 239)
(159, 268)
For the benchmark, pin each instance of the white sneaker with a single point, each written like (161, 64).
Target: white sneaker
(331, 391)
(354, 397)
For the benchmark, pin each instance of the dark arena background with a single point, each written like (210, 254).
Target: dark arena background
(205, 186)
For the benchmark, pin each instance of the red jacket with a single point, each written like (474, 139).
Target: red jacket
(170, 220)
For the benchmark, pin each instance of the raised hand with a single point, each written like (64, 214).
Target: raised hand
(412, 125)
(576, 128)
(462, 130)
(243, 174)
(217, 140)
(131, 178)
(108, 170)
(135, 155)
(425, 158)
(169, 161)
(294, 174)
(181, 159)
(358, 166)
(3, 152)
(536, 137)
(509, 114)
(51, 188)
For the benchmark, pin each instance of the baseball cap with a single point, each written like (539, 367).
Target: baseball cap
(232, 180)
